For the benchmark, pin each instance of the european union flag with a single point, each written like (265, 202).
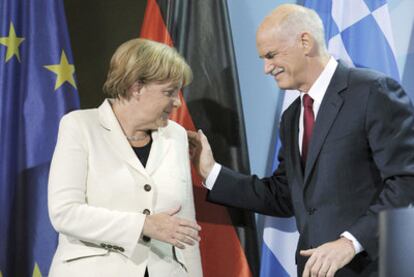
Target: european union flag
(37, 87)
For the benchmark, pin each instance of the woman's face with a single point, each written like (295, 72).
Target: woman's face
(158, 101)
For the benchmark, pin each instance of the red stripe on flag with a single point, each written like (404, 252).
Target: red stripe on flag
(221, 251)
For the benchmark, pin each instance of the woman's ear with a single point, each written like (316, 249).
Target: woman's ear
(135, 89)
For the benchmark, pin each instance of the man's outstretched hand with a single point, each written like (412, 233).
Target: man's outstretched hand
(200, 153)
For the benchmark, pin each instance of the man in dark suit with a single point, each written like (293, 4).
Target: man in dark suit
(347, 150)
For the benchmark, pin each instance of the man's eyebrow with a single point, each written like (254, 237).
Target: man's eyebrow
(268, 55)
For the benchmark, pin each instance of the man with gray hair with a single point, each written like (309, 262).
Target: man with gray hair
(347, 150)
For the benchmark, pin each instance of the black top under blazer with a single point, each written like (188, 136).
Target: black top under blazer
(360, 161)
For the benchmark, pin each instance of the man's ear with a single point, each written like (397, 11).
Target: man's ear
(308, 43)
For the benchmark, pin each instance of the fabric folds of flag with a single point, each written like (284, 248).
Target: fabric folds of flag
(37, 87)
(359, 33)
(280, 235)
(200, 30)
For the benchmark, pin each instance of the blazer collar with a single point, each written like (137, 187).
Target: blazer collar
(117, 141)
(330, 106)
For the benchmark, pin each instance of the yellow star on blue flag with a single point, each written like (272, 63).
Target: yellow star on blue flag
(64, 71)
(32, 37)
(12, 42)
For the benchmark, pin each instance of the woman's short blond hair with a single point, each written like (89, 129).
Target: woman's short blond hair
(145, 61)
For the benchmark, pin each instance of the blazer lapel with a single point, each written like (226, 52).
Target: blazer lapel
(115, 137)
(159, 148)
(330, 106)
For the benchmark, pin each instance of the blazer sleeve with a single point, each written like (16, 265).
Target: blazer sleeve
(191, 253)
(390, 132)
(270, 195)
(69, 211)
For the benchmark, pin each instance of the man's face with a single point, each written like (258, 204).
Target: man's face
(283, 58)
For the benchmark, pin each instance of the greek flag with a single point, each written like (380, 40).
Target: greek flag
(359, 33)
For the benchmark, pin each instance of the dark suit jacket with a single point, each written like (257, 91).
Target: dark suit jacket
(360, 161)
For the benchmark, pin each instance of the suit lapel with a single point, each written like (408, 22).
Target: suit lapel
(330, 106)
(292, 136)
(115, 137)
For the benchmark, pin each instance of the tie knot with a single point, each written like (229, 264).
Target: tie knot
(307, 101)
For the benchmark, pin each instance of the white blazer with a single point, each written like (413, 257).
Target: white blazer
(99, 192)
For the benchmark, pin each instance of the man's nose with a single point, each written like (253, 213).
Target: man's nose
(268, 67)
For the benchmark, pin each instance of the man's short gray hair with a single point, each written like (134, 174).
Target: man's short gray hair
(299, 20)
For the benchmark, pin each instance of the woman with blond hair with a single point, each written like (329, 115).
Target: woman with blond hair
(120, 191)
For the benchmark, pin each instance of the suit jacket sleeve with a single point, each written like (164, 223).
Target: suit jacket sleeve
(69, 211)
(270, 195)
(390, 132)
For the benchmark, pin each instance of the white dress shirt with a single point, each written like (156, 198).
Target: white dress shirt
(316, 92)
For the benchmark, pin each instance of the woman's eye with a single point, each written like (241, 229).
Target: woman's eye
(171, 93)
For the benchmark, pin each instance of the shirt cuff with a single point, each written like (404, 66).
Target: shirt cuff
(357, 246)
(212, 177)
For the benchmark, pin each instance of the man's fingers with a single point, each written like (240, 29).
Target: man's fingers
(314, 270)
(306, 271)
(326, 259)
(197, 139)
(191, 134)
(202, 137)
(194, 144)
(332, 270)
(194, 137)
(323, 270)
(307, 253)
(309, 264)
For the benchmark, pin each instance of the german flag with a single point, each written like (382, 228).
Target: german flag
(200, 31)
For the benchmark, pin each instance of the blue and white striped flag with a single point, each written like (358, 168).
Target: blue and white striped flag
(359, 33)
(280, 235)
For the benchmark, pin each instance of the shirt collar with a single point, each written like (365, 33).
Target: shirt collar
(318, 89)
